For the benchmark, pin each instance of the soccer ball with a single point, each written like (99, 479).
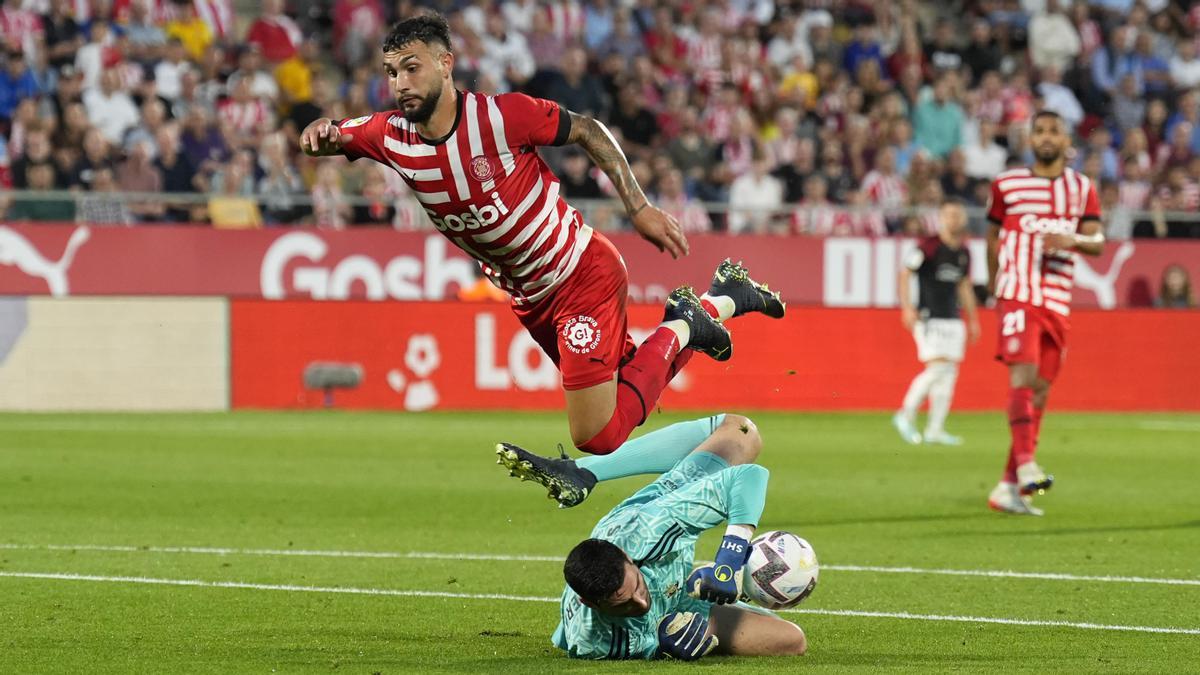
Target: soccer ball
(781, 572)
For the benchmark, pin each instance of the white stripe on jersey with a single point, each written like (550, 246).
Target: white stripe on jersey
(408, 149)
(537, 226)
(425, 175)
(1026, 195)
(1024, 183)
(1023, 267)
(503, 228)
(1058, 280)
(1074, 206)
(1031, 207)
(431, 197)
(456, 168)
(1056, 306)
(1057, 294)
(554, 251)
(506, 156)
(1060, 196)
(1035, 270)
(473, 137)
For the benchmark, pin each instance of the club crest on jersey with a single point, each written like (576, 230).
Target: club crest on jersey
(481, 169)
(1014, 345)
(581, 334)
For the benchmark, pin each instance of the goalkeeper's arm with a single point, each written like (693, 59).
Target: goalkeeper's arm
(745, 495)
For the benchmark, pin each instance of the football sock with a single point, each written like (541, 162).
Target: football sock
(1037, 426)
(639, 384)
(655, 452)
(1020, 423)
(683, 333)
(1010, 469)
(719, 307)
(745, 493)
(917, 391)
(940, 396)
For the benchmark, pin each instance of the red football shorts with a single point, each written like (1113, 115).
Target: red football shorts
(582, 325)
(1031, 334)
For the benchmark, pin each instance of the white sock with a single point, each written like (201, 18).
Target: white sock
(724, 304)
(917, 391)
(681, 330)
(940, 396)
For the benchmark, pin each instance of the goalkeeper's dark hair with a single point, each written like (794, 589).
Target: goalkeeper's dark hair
(595, 569)
(431, 29)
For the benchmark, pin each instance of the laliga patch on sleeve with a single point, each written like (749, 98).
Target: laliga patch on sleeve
(355, 122)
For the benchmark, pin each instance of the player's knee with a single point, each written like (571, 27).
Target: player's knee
(749, 441)
(798, 644)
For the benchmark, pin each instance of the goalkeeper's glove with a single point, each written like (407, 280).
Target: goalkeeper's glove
(684, 636)
(721, 582)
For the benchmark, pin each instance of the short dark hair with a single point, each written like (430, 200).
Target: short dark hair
(427, 28)
(595, 569)
(1047, 113)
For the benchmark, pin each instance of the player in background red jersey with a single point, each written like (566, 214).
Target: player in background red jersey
(1040, 216)
(471, 161)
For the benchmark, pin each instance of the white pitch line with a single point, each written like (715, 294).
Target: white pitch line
(428, 555)
(345, 590)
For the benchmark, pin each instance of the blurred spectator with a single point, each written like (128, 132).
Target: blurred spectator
(1100, 144)
(545, 44)
(507, 59)
(794, 174)
(20, 29)
(330, 209)
(201, 142)
(1156, 71)
(1133, 191)
(1053, 40)
(522, 14)
(943, 52)
(16, 82)
(938, 120)
(638, 126)
(956, 184)
(154, 118)
(40, 176)
(1185, 66)
(1187, 110)
(250, 66)
(982, 55)
(1178, 152)
(1059, 98)
(295, 78)
(815, 214)
(1115, 60)
(1128, 105)
(674, 200)
(100, 206)
(188, 26)
(235, 177)
(37, 150)
(865, 46)
(985, 158)
(177, 171)
(277, 36)
(574, 88)
(280, 183)
(1175, 290)
(378, 210)
(837, 180)
(577, 180)
(358, 26)
(753, 197)
(110, 109)
(169, 72)
(146, 40)
(243, 117)
(691, 151)
(62, 34)
(139, 174)
(883, 187)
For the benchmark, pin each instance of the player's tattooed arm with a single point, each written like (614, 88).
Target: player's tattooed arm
(655, 225)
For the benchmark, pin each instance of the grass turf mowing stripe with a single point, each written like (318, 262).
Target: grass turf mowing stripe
(532, 598)
(428, 555)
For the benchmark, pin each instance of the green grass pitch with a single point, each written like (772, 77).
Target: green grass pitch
(107, 497)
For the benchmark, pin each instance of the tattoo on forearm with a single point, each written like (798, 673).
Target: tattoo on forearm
(604, 151)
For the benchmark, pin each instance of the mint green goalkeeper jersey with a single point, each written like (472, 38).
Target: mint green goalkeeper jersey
(657, 527)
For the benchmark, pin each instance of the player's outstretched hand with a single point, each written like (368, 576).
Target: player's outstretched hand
(322, 138)
(661, 229)
(718, 584)
(1058, 242)
(684, 636)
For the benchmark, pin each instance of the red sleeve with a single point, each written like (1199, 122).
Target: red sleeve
(996, 208)
(1091, 208)
(368, 133)
(533, 121)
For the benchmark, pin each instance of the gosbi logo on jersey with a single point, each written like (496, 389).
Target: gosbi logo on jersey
(481, 169)
(581, 334)
(472, 220)
(1032, 223)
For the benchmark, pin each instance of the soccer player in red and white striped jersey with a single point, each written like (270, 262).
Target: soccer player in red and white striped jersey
(471, 160)
(1040, 216)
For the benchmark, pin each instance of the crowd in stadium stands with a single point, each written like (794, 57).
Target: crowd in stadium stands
(770, 107)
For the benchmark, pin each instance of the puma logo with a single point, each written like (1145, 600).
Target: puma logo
(18, 251)
(1103, 285)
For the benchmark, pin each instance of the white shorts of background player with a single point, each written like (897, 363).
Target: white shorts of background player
(940, 339)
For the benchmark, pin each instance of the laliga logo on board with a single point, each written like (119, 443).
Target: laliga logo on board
(1032, 223)
(19, 252)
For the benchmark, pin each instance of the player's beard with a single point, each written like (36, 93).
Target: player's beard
(423, 112)
(1048, 157)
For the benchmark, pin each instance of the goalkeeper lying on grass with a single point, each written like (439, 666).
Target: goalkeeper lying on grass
(631, 590)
